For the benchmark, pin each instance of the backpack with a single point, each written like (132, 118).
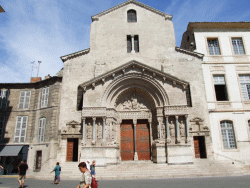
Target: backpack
(59, 168)
(94, 183)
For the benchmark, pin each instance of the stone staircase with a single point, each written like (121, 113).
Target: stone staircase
(150, 170)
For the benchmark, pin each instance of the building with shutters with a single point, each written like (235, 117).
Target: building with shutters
(226, 69)
(29, 115)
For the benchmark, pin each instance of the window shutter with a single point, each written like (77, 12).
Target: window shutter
(27, 99)
(21, 100)
(46, 97)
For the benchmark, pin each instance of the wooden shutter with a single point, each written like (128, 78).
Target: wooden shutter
(21, 100)
(46, 97)
(27, 99)
(41, 130)
(23, 128)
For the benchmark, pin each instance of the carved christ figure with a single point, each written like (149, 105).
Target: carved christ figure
(89, 131)
(172, 129)
(182, 129)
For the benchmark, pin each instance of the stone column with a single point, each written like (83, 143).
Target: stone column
(83, 130)
(103, 128)
(177, 130)
(187, 128)
(151, 137)
(133, 43)
(94, 119)
(135, 155)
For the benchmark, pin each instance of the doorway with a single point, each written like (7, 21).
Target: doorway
(200, 147)
(72, 150)
(128, 139)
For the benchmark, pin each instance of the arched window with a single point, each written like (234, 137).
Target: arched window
(228, 134)
(131, 14)
(41, 129)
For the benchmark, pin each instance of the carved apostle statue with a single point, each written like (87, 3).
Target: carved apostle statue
(172, 128)
(89, 131)
(182, 129)
(99, 130)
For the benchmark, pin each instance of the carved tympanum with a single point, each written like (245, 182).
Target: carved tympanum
(134, 102)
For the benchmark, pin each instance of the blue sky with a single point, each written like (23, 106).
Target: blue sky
(45, 30)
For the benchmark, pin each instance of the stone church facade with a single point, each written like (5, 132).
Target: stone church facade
(132, 95)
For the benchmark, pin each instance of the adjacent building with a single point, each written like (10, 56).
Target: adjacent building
(226, 69)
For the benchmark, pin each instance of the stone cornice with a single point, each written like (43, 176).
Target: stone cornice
(196, 54)
(135, 64)
(73, 55)
(167, 16)
(218, 25)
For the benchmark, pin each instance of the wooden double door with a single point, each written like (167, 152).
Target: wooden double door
(128, 139)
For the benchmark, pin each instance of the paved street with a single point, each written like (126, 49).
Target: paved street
(214, 182)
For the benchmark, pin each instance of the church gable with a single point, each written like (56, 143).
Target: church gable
(167, 16)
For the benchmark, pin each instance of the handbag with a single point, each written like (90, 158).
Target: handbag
(94, 183)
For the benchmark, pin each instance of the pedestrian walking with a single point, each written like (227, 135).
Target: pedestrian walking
(57, 171)
(86, 179)
(92, 169)
(88, 164)
(23, 167)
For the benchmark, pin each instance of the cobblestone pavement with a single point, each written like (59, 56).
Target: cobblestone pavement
(209, 182)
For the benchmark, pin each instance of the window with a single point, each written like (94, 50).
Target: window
(131, 16)
(249, 125)
(227, 134)
(238, 46)
(129, 43)
(41, 130)
(245, 86)
(136, 42)
(213, 46)
(220, 88)
(2, 127)
(132, 43)
(20, 132)
(4, 94)
(24, 101)
(45, 97)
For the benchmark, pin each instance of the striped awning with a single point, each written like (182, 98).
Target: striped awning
(10, 150)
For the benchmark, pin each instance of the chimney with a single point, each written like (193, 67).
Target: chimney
(47, 77)
(35, 79)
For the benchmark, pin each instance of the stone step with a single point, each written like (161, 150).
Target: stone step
(150, 170)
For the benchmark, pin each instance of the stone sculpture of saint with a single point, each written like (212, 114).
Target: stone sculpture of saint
(99, 130)
(182, 129)
(172, 129)
(89, 131)
(162, 130)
